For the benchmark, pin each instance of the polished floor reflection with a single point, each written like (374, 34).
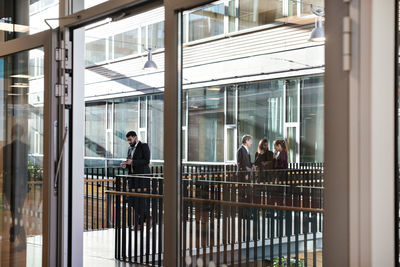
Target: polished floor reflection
(99, 249)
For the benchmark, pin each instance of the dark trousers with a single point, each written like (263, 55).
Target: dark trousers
(139, 204)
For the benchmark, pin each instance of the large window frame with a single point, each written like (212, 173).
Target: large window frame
(47, 40)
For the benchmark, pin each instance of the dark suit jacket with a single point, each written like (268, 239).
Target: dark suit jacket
(140, 159)
(243, 162)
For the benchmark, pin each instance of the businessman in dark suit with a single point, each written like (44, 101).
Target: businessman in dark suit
(244, 168)
(137, 162)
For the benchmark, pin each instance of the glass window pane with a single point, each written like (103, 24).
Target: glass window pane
(184, 108)
(21, 153)
(20, 18)
(312, 120)
(143, 112)
(206, 125)
(95, 130)
(231, 105)
(156, 35)
(126, 118)
(184, 157)
(291, 144)
(261, 112)
(254, 13)
(236, 197)
(144, 37)
(155, 126)
(126, 43)
(206, 22)
(230, 141)
(291, 101)
(95, 51)
(232, 14)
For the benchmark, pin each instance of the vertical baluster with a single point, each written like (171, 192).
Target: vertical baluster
(306, 223)
(225, 216)
(256, 219)
(297, 232)
(272, 235)
(97, 197)
(280, 234)
(184, 214)
(155, 223)
(92, 199)
(117, 222)
(288, 232)
(263, 234)
(234, 213)
(191, 209)
(160, 220)
(124, 220)
(141, 211)
(240, 226)
(129, 214)
(148, 219)
(87, 199)
(248, 213)
(212, 219)
(219, 218)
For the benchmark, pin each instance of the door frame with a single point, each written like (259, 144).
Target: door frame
(72, 32)
(47, 40)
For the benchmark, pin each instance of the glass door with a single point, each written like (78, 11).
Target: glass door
(26, 203)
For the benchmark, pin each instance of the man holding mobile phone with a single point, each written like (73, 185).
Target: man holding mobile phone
(137, 162)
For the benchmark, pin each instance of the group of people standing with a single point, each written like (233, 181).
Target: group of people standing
(264, 159)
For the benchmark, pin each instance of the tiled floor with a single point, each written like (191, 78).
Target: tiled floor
(99, 250)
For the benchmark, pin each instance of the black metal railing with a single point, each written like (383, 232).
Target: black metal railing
(100, 210)
(274, 218)
(139, 219)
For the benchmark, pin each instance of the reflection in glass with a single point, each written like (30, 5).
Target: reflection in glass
(143, 112)
(308, 5)
(239, 207)
(206, 125)
(231, 145)
(254, 13)
(21, 138)
(155, 126)
(231, 105)
(155, 35)
(19, 18)
(291, 101)
(291, 144)
(95, 51)
(126, 118)
(261, 112)
(95, 130)
(125, 44)
(312, 120)
(206, 22)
